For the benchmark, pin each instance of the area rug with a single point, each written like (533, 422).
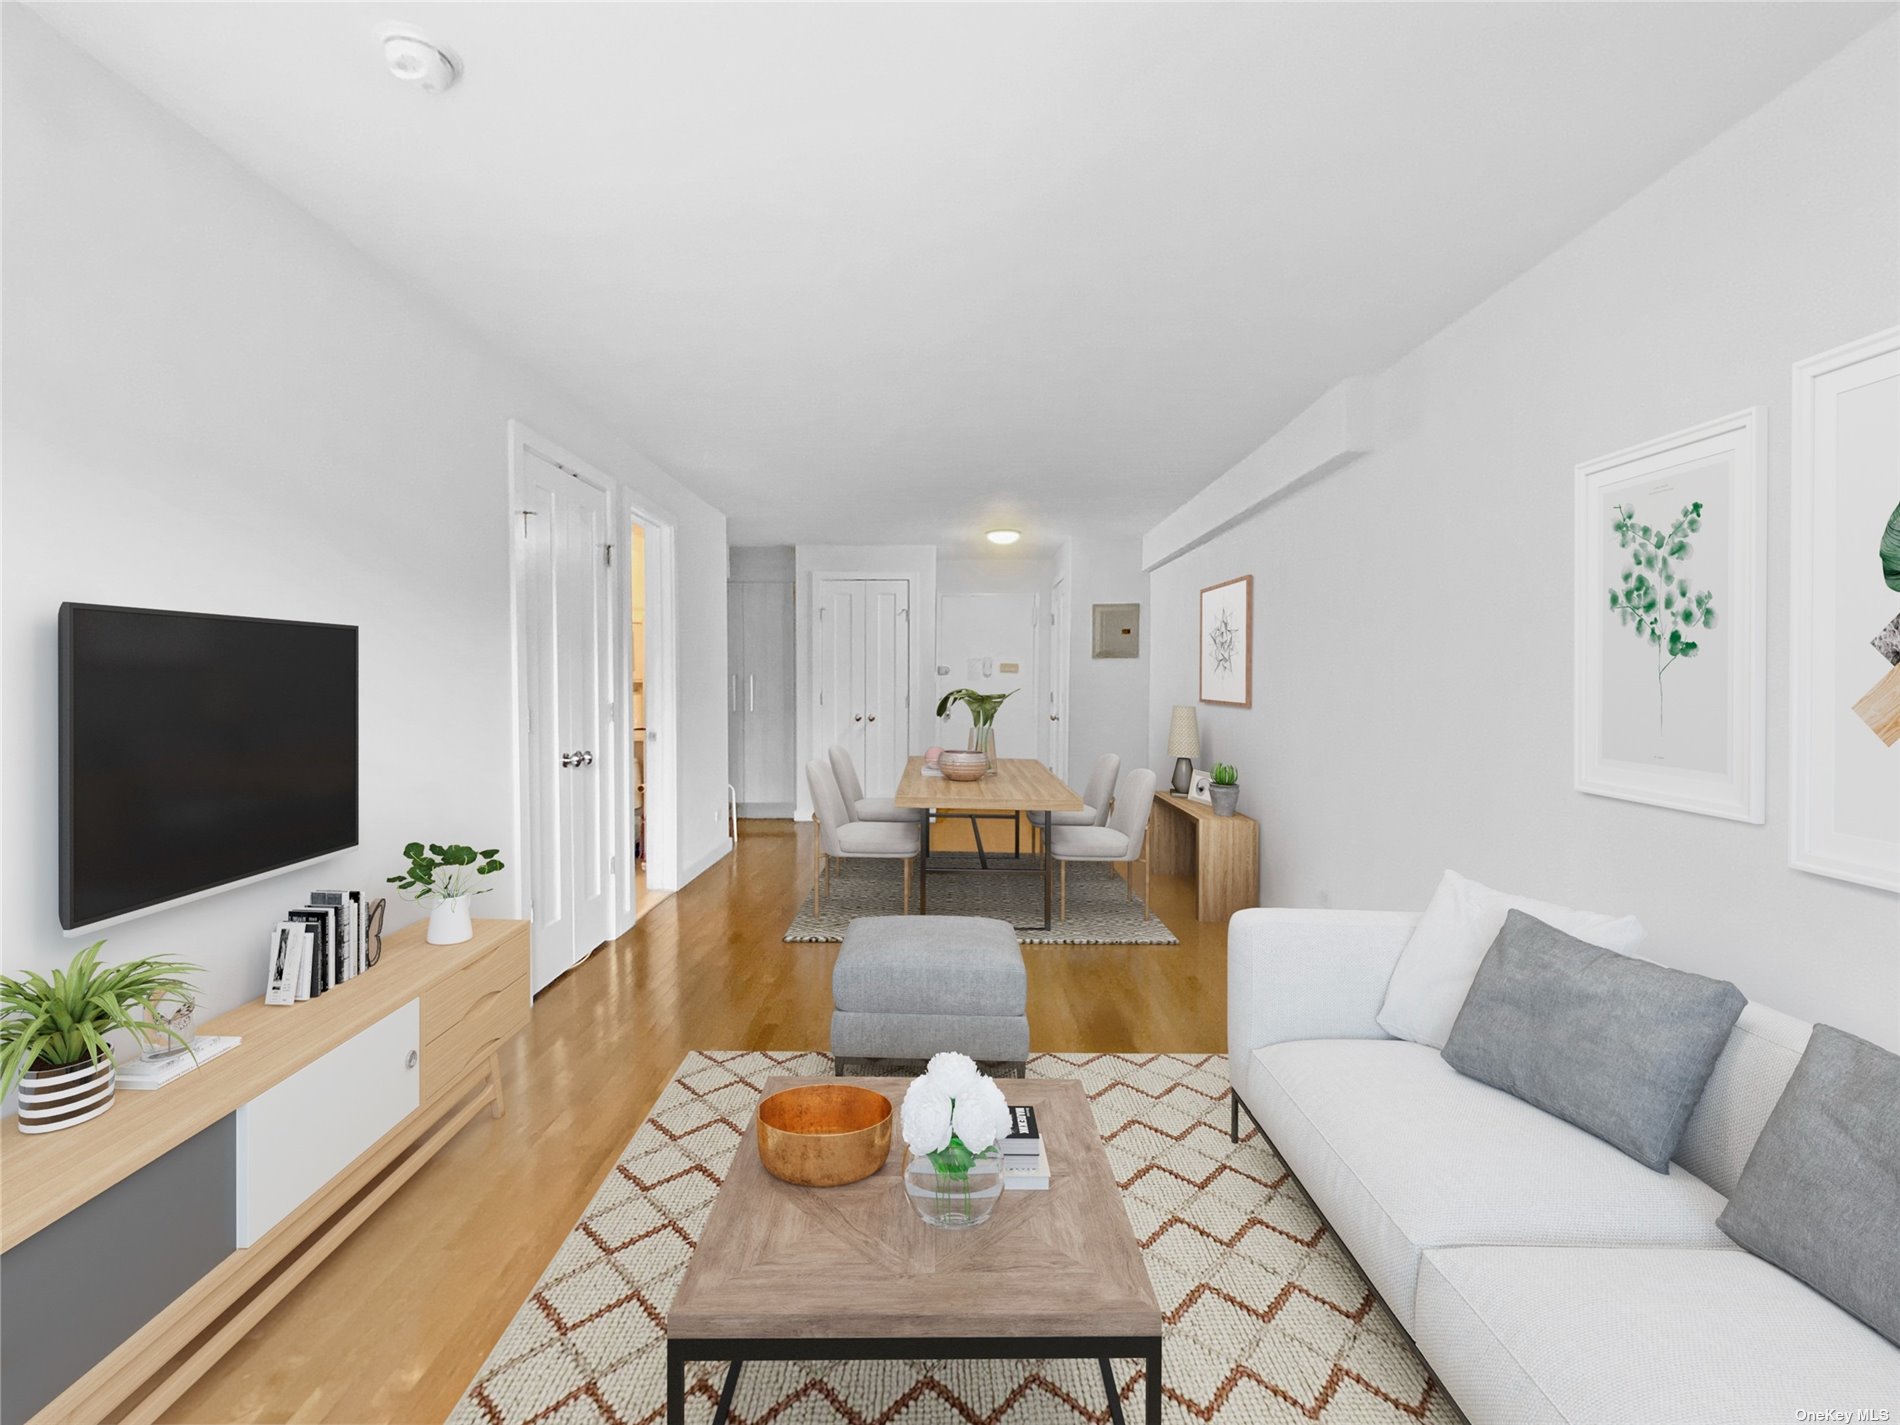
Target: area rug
(1100, 912)
(1268, 1319)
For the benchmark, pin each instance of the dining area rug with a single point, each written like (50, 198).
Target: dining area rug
(1100, 909)
(1268, 1321)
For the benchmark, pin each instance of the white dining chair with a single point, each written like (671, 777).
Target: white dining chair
(1123, 841)
(1096, 796)
(841, 836)
(865, 808)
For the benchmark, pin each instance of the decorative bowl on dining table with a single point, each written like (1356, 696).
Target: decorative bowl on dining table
(963, 766)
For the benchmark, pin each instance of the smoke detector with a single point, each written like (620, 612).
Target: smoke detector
(416, 60)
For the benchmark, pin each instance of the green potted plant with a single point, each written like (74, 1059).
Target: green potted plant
(447, 875)
(1224, 789)
(983, 709)
(53, 1032)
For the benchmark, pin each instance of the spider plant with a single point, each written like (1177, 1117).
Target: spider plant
(53, 1024)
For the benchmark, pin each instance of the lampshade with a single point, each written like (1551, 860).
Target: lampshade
(1184, 734)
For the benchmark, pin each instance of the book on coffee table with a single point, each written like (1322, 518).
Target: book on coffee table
(1024, 1140)
(1026, 1173)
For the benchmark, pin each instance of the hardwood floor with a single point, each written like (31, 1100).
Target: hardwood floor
(393, 1326)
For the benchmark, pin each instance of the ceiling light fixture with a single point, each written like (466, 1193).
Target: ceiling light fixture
(1003, 536)
(419, 61)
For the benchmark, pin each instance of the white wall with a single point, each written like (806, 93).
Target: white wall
(1412, 651)
(212, 402)
(916, 562)
(1108, 704)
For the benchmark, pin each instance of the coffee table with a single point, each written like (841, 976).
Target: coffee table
(789, 1273)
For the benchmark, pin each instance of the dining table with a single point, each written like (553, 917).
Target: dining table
(1014, 786)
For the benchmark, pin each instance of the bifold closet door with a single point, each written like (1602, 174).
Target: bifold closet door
(838, 668)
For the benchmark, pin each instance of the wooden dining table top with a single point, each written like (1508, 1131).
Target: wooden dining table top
(1017, 784)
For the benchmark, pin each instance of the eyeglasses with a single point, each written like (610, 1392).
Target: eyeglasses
(373, 932)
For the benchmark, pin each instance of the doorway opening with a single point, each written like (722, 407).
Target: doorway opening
(640, 699)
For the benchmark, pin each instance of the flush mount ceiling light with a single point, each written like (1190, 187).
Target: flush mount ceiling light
(1003, 536)
(417, 60)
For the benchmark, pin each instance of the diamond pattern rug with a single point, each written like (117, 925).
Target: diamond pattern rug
(1268, 1319)
(1100, 911)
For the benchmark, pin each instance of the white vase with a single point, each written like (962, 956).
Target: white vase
(449, 922)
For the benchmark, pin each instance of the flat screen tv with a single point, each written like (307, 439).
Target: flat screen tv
(197, 750)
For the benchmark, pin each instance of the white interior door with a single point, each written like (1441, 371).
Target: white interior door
(1059, 679)
(567, 655)
(766, 696)
(838, 669)
(988, 642)
(886, 685)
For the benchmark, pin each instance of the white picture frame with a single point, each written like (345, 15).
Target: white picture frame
(1844, 782)
(1227, 642)
(1635, 536)
(1199, 788)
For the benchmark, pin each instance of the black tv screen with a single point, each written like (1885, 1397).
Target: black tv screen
(196, 750)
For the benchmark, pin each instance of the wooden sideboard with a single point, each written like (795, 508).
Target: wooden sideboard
(323, 1112)
(1222, 853)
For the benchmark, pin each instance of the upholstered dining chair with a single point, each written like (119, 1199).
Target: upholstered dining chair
(840, 835)
(1096, 796)
(1124, 840)
(865, 808)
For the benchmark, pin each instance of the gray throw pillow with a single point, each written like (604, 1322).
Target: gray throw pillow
(1618, 1046)
(1820, 1195)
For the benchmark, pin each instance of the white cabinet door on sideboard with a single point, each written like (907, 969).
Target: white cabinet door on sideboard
(297, 1135)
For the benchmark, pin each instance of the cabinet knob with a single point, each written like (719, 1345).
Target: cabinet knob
(873, 717)
(412, 1060)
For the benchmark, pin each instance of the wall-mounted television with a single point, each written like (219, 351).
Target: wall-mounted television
(197, 750)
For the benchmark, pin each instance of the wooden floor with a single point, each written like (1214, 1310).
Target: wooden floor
(393, 1326)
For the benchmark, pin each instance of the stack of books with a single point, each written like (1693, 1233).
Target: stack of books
(316, 947)
(1025, 1159)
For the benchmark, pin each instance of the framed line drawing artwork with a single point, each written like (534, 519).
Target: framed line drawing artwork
(1670, 654)
(1844, 614)
(1198, 788)
(1227, 643)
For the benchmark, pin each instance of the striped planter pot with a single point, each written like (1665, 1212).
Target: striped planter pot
(51, 1099)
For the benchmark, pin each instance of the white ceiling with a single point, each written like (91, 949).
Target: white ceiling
(866, 272)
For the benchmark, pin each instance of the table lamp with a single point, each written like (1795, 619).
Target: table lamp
(1184, 745)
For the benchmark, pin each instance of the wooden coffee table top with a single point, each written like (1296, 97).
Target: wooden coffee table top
(782, 1262)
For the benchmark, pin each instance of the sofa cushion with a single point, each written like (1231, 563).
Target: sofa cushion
(1618, 1046)
(930, 964)
(1402, 1153)
(1607, 1336)
(1755, 1065)
(1434, 973)
(1820, 1197)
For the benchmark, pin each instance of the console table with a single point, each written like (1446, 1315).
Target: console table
(1222, 853)
(151, 1239)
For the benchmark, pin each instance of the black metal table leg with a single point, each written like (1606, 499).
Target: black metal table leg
(1154, 1383)
(675, 1384)
(725, 1395)
(1114, 1396)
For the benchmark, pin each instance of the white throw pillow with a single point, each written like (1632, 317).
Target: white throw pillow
(1436, 968)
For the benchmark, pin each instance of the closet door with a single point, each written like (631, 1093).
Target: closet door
(838, 670)
(885, 696)
(767, 696)
(735, 685)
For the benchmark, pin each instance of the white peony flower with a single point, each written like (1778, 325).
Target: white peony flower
(982, 1115)
(956, 1072)
(926, 1116)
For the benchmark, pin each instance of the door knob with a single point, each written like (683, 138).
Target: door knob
(1054, 718)
(858, 718)
(587, 759)
(873, 717)
(570, 759)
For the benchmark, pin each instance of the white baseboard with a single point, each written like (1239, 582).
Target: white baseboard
(693, 870)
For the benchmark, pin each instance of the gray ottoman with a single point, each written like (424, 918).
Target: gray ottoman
(909, 986)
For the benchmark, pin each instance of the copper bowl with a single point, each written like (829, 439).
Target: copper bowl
(963, 766)
(824, 1135)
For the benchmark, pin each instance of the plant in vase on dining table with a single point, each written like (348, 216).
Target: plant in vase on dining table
(983, 709)
(954, 1120)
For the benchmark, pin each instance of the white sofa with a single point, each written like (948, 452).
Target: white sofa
(1546, 1276)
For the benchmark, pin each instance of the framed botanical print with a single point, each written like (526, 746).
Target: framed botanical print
(1670, 656)
(1844, 614)
(1227, 642)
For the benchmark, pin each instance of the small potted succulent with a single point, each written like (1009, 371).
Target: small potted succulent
(53, 1032)
(446, 875)
(1225, 789)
